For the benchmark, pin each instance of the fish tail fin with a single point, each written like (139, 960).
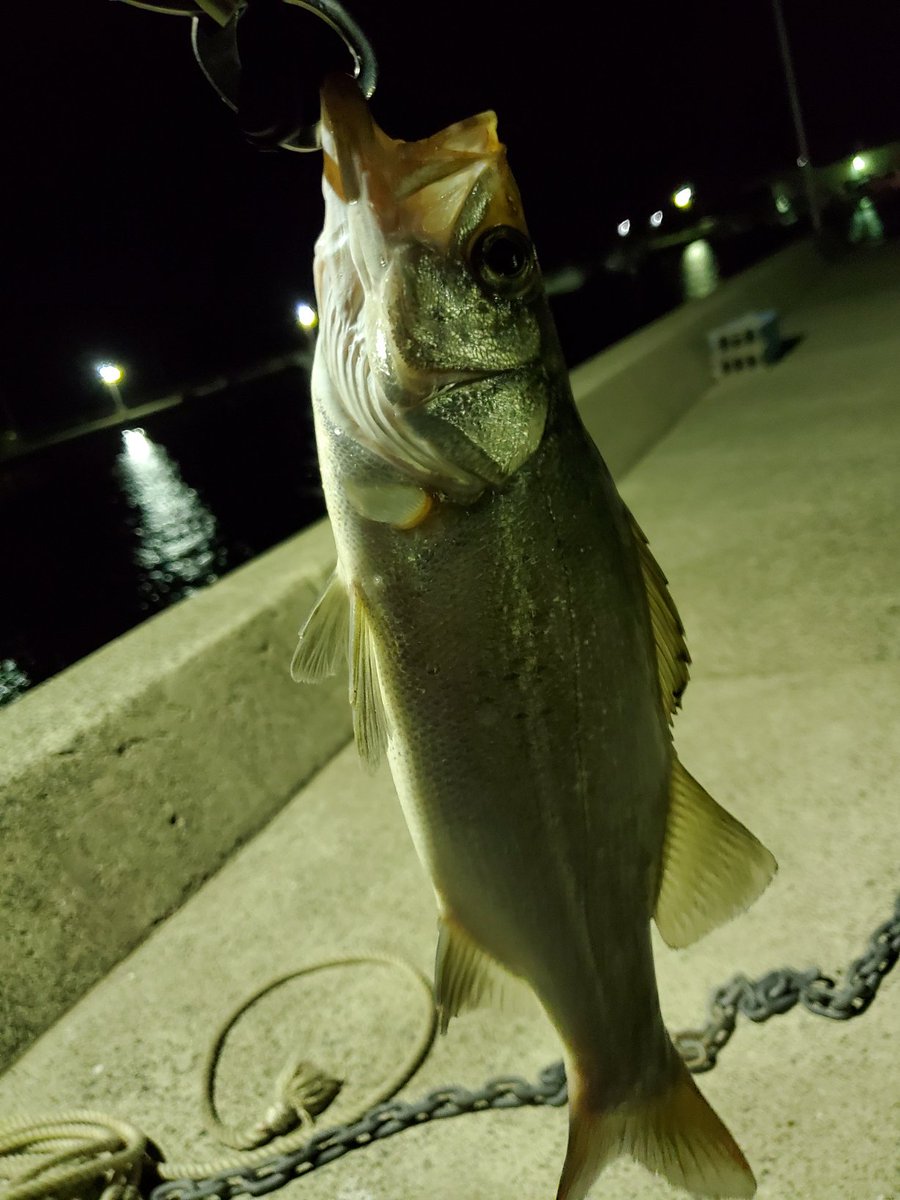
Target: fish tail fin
(675, 1134)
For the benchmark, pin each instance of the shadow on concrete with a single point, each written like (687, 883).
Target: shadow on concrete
(787, 345)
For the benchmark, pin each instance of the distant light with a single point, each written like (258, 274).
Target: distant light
(656, 219)
(110, 373)
(557, 283)
(865, 224)
(699, 270)
(624, 228)
(802, 161)
(782, 203)
(138, 446)
(859, 163)
(683, 197)
(307, 317)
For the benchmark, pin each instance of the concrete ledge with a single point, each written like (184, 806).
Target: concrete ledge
(131, 777)
(631, 395)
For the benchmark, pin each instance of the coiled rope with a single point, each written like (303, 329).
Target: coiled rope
(66, 1154)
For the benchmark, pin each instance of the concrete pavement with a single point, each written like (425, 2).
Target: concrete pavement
(773, 508)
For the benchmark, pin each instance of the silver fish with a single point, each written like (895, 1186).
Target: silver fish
(511, 641)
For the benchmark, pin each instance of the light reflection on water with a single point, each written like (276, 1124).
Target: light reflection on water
(177, 550)
(865, 223)
(699, 270)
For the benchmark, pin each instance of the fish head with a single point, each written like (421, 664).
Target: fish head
(435, 335)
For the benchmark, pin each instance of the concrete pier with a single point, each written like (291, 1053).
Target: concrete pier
(772, 505)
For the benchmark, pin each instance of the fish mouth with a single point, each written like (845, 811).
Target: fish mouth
(349, 137)
(416, 188)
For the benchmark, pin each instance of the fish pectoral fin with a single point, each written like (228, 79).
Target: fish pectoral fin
(672, 657)
(370, 727)
(339, 624)
(712, 866)
(323, 639)
(465, 977)
(402, 505)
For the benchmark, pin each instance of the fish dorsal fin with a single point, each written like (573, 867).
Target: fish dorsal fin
(323, 639)
(465, 977)
(366, 699)
(672, 655)
(712, 866)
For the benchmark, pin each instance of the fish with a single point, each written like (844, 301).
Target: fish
(512, 647)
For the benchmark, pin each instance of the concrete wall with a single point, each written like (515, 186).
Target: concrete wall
(634, 392)
(130, 778)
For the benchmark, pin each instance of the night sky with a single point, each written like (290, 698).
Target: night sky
(141, 226)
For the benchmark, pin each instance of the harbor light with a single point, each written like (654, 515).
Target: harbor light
(624, 228)
(683, 197)
(656, 219)
(307, 317)
(110, 373)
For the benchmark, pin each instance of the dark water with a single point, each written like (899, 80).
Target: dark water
(99, 533)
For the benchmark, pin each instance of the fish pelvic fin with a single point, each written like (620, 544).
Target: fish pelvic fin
(712, 865)
(675, 1134)
(466, 977)
(323, 639)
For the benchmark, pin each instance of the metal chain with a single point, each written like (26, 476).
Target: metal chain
(759, 999)
(504, 1091)
(779, 991)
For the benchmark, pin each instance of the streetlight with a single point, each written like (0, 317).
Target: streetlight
(307, 317)
(803, 157)
(858, 164)
(656, 219)
(112, 375)
(307, 320)
(624, 228)
(684, 196)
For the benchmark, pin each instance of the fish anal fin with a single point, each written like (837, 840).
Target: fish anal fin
(675, 1134)
(672, 657)
(465, 977)
(370, 727)
(323, 639)
(713, 867)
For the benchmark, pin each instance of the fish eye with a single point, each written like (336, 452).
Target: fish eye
(503, 258)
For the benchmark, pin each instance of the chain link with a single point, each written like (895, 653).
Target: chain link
(769, 995)
(504, 1091)
(779, 991)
